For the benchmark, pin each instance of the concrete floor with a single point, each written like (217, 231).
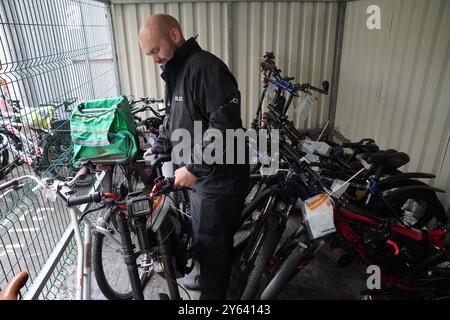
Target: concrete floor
(322, 279)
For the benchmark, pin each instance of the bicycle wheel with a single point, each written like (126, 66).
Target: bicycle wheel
(110, 269)
(433, 283)
(270, 235)
(5, 168)
(250, 215)
(415, 208)
(57, 154)
(124, 179)
(8, 163)
(241, 242)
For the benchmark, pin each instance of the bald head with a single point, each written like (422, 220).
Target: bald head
(158, 23)
(159, 37)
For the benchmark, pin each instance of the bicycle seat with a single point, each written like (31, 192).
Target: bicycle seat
(155, 159)
(366, 148)
(389, 158)
(12, 289)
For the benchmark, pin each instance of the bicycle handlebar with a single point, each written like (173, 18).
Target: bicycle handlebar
(305, 87)
(81, 175)
(8, 184)
(88, 198)
(57, 104)
(15, 182)
(147, 105)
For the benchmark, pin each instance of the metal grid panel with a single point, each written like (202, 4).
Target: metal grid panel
(61, 51)
(239, 33)
(394, 82)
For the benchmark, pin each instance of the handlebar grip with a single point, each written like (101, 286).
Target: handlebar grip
(88, 198)
(7, 185)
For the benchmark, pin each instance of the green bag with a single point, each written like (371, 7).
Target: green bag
(103, 131)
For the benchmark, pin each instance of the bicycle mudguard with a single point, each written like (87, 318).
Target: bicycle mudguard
(398, 180)
(417, 186)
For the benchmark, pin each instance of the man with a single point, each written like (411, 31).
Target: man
(200, 88)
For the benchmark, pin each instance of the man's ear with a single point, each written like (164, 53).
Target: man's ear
(175, 35)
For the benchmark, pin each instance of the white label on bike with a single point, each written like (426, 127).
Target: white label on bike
(304, 107)
(315, 147)
(270, 94)
(50, 194)
(318, 215)
(339, 187)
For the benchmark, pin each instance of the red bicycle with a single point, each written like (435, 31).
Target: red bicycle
(414, 264)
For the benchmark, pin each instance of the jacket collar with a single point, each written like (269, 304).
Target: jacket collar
(187, 48)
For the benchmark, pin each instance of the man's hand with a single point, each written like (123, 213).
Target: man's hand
(183, 178)
(147, 153)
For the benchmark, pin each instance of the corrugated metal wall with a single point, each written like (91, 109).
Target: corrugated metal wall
(302, 36)
(395, 82)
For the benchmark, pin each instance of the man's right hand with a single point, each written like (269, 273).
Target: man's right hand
(148, 152)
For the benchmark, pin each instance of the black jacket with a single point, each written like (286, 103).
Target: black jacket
(199, 87)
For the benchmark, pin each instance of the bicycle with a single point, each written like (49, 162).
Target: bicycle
(129, 173)
(265, 217)
(382, 187)
(35, 137)
(413, 262)
(147, 224)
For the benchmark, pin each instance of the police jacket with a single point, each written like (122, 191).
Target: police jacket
(201, 93)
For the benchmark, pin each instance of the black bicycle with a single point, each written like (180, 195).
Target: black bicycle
(150, 230)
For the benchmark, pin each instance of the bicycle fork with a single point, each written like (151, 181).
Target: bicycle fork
(129, 256)
(163, 235)
(83, 273)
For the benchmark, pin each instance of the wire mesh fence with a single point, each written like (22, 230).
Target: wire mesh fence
(53, 55)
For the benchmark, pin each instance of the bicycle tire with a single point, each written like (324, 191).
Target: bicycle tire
(433, 207)
(124, 179)
(58, 148)
(436, 278)
(254, 203)
(8, 166)
(4, 161)
(271, 234)
(287, 270)
(112, 183)
(105, 283)
(241, 241)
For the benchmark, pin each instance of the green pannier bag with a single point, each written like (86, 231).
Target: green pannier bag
(103, 131)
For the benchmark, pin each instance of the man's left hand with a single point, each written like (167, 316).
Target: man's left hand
(183, 178)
